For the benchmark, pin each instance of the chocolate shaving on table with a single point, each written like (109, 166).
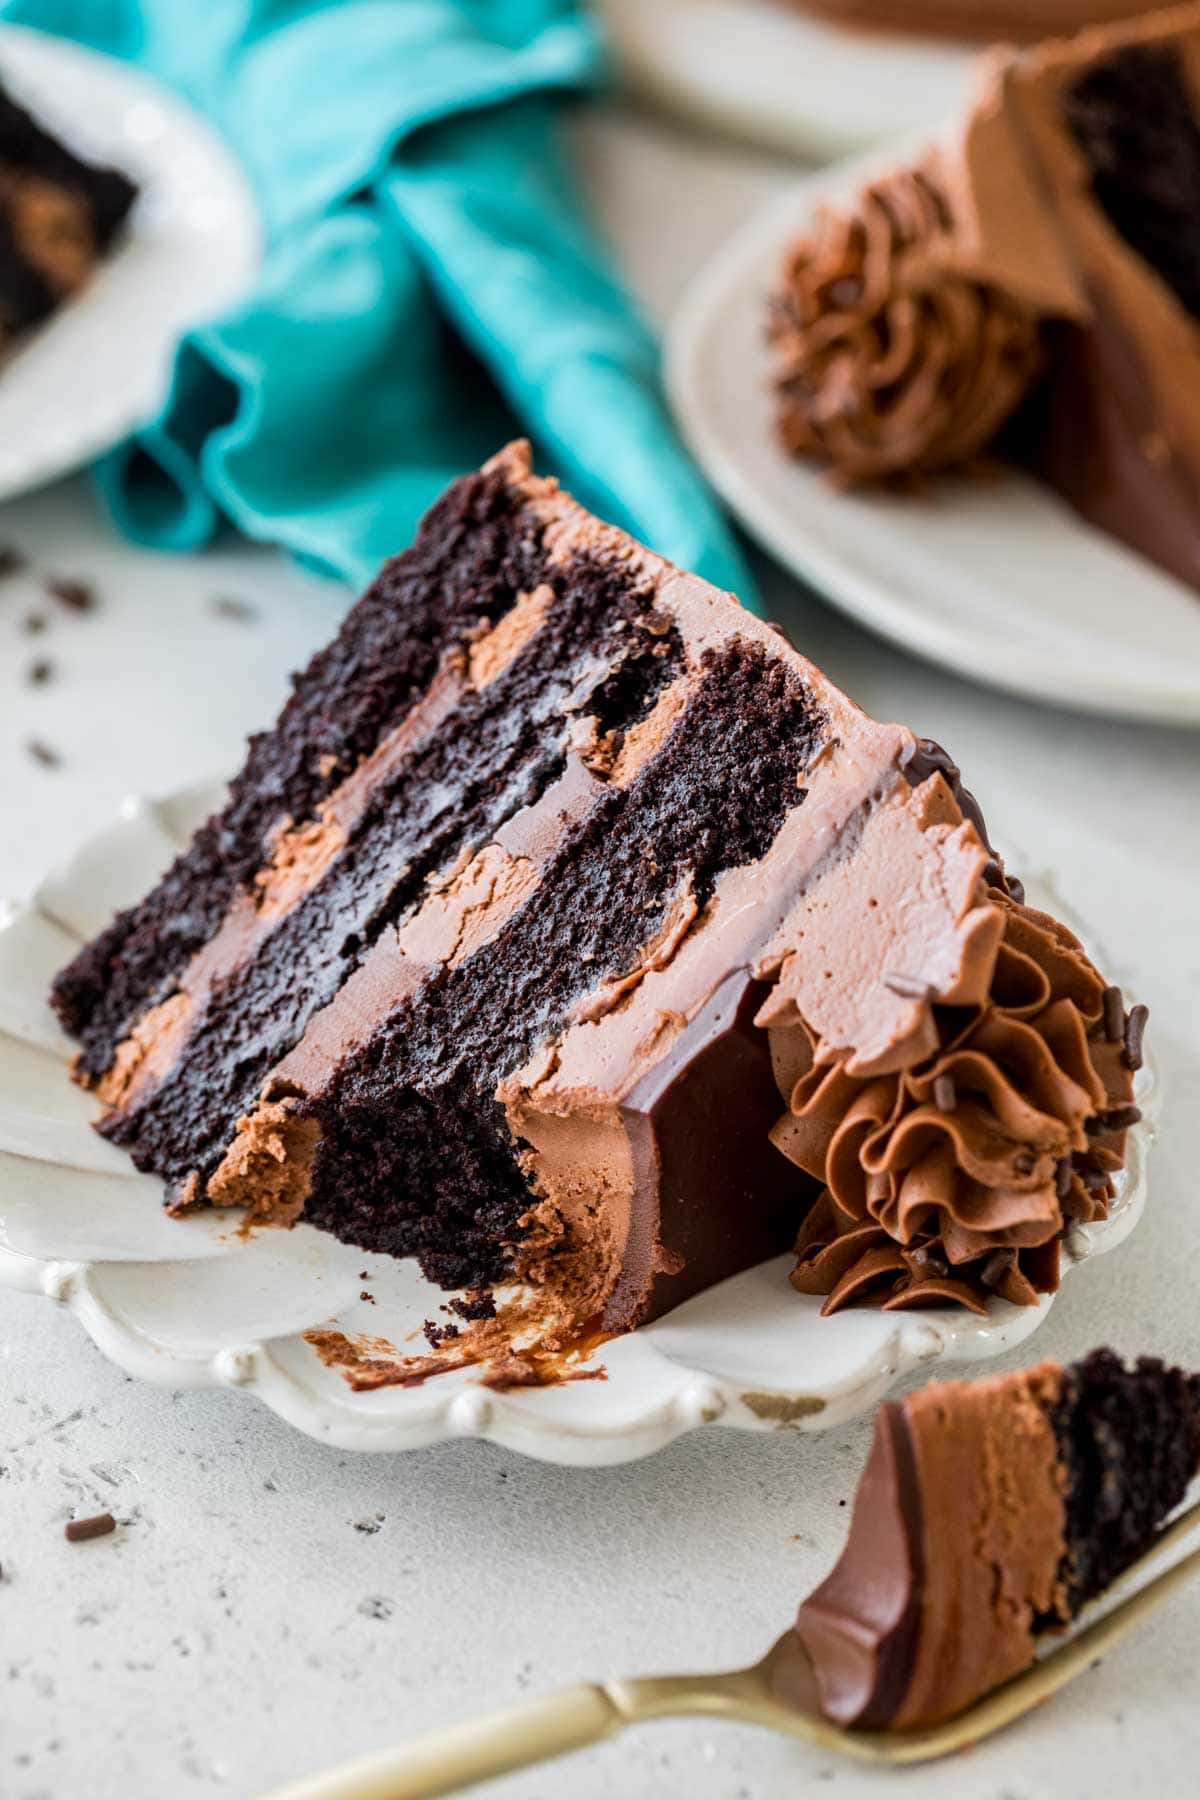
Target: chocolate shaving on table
(43, 753)
(40, 672)
(1135, 1031)
(99, 1525)
(76, 596)
(231, 606)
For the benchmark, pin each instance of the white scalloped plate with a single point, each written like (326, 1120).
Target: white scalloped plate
(100, 366)
(189, 1303)
(995, 578)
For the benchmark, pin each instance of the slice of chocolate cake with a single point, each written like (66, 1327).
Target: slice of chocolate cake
(988, 1514)
(59, 213)
(1032, 285)
(488, 957)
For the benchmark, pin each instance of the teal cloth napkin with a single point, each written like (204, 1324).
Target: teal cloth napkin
(430, 287)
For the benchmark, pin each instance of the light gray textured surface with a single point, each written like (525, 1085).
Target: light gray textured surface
(268, 1606)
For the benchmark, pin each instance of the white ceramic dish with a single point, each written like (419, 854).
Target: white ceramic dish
(765, 71)
(190, 1304)
(100, 367)
(993, 577)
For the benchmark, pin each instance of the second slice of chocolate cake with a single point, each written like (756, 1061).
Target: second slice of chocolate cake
(554, 868)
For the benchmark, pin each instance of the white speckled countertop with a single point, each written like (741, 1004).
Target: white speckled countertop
(268, 1606)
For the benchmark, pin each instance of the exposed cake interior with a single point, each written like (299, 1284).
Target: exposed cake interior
(1133, 116)
(989, 1513)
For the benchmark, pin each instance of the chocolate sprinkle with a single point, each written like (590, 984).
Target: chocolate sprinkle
(996, 1267)
(926, 1261)
(1121, 1118)
(1016, 889)
(1135, 1031)
(79, 1530)
(1114, 1015)
(945, 1095)
(907, 987)
(76, 595)
(43, 753)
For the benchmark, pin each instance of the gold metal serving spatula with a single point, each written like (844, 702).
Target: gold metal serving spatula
(777, 1692)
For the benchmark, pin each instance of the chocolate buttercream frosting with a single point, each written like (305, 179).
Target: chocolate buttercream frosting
(952, 1173)
(989, 1513)
(888, 361)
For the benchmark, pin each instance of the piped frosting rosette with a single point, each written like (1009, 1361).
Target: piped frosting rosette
(887, 359)
(955, 1174)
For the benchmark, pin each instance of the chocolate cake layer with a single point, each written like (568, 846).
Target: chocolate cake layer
(990, 1512)
(475, 552)
(555, 864)
(58, 215)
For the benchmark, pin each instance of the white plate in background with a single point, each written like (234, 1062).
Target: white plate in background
(765, 71)
(189, 1303)
(996, 578)
(99, 367)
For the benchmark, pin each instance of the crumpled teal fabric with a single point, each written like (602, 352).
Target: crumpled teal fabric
(430, 287)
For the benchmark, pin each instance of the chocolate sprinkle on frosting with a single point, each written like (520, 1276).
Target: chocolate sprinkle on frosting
(1135, 1031)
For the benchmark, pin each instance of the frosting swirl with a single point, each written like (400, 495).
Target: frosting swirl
(957, 1174)
(887, 360)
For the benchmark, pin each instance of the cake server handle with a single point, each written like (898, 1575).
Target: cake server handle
(445, 1762)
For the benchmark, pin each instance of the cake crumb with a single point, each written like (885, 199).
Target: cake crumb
(368, 1297)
